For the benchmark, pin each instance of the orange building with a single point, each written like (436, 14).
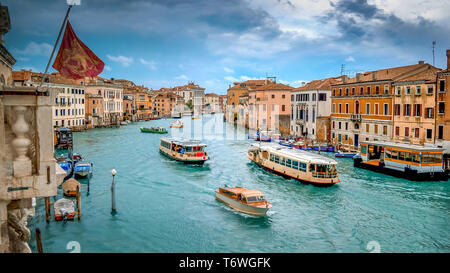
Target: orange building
(443, 114)
(414, 107)
(361, 107)
(234, 93)
(165, 103)
(94, 110)
(269, 107)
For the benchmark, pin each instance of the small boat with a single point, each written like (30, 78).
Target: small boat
(123, 123)
(82, 169)
(244, 200)
(342, 154)
(66, 164)
(70, 187)
(301, 165)
(195, 117)
(64, 209)
(76, 157)
(155, 130)
(184, 150)
(177, 124)
(176, 115)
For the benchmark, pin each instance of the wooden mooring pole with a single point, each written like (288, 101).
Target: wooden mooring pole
(78, 203)
(47, 209)
(39, 241)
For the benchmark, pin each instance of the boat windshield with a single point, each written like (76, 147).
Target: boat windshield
(255, 198)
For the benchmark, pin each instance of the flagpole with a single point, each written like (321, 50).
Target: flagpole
(56, 43)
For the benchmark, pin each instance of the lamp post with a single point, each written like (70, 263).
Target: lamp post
(113, 199)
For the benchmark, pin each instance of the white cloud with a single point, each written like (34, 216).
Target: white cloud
(150, 64)
(231, 79)
(123, 60)
(181, 77)
(35, 49)
(350, 59)
(228, 70)
(107, 68)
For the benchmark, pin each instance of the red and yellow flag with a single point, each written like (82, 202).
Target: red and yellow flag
(75, 60)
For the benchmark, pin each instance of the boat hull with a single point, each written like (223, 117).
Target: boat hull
(259, 211)
(143, 130)
(196, 161)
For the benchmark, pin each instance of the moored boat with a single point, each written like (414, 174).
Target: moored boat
(293, 163)
(184, 150)
(414, 162)
(343, 154)
(155, 130)
(244, 200)
(82, 169)
(70, 187)
(64, 209)
(66, 164)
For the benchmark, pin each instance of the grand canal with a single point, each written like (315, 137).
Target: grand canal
(165, 206)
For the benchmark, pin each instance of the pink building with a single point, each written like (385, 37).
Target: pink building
(269, 107)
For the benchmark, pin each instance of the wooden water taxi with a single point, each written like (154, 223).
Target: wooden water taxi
(244, 200)
(154, 130)
(414, 162)
(289, 162)
(184, 150)
(70, 187)
(177, 124)
(63, 138)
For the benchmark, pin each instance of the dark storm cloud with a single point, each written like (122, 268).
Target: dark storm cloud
(358, 21)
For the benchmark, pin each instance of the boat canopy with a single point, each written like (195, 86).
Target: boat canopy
(405, 146)
(249, 193)
(184, 142)
(295, 154)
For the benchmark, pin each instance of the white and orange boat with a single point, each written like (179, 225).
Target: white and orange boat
(288, 162)
(244, 200)
(177, 124)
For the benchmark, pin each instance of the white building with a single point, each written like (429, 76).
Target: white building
(212, 103)
(311, 110)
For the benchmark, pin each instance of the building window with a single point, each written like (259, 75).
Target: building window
(283, 96)
(322, 96)
(440, 132)
(418, 90)
(334, 92)
(385, 130)
(376, 108)
(334, 107)
(397, 109)
(397, 131)
(339, 125)
(416, 132)
(283, 108)
(386, 89)
(386, 109)
(367, 128)
(377, 90)
(368, 108)
(441, 85)
(346, 91)
(441, 107)
(353, 91)
(429, 133)
(368, 90)
(407, 110)
(398, 91)
(333, 124)
(273, 96)
(376, 128)
(340, 108)
(346, 108)
(406, 131)
(417, 110)
(408, 90)
(346, 126)
(56, 112)
(430, 90)
(340, 91)
(429, 112)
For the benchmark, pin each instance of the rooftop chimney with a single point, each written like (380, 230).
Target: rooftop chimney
(448, 58)
(358, 77)
(374, 75)
(344, 78)
(421, 62)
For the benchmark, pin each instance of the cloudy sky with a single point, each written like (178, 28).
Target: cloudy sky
(163, 43)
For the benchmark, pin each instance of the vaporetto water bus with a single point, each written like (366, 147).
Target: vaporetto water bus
(414, 162)
(184, 150)
(289, 162)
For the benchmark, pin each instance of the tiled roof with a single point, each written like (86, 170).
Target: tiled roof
(386, 74)
(22, 75)
(323, 84)
(427, 75)
(273, 86)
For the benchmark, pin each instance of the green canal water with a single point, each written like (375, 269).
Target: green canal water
(166, 206)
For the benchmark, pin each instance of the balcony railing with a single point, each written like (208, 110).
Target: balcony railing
(355, 117)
